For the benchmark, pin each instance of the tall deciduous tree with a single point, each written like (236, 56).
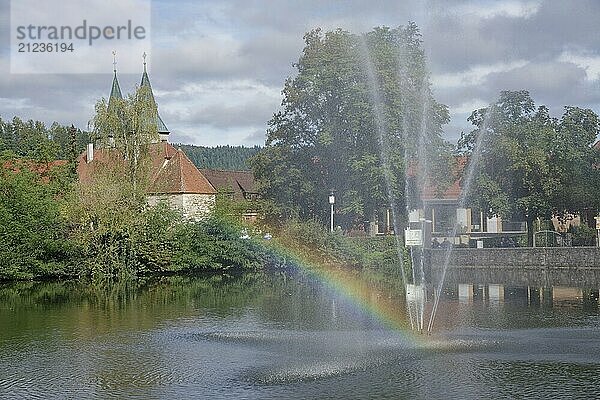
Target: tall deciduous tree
(326, 135)
(108, 212)
(129, 125)
(576, 161)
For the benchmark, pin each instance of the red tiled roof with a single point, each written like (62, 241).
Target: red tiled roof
(239, 183)
(172, 172)
(452, 192)
(40, 168)
(179, 175)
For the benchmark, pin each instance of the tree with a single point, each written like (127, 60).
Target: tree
(529, 164)
(576, 161)
(33, 140)
(70, 141)
(129, 125)
(28, 139)
(33, 234)
(326, 134)
(108, 213)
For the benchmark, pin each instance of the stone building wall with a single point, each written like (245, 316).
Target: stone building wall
(192, 206)
(524, 256)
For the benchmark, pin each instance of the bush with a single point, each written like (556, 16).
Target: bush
(583, 235)
(312, 240)
(216, 244)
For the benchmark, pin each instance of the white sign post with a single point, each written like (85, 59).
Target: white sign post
(597, 230)
(413, 237)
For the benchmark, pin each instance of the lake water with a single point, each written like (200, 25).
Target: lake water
(294, 336)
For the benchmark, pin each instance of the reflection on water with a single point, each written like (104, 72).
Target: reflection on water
(293, 336)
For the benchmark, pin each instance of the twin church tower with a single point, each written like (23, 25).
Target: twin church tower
(115, 93)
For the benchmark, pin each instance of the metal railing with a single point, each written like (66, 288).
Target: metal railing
(551, 239)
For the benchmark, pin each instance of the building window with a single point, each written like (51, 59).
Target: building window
(476, 220)
(445, 218)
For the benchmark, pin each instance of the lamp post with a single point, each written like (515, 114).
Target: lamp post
(331, 203)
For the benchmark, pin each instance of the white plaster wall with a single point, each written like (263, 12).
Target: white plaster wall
(494, 224)
(462, 217)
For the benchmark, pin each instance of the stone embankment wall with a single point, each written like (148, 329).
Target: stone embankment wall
(520, 256)
(544, 265)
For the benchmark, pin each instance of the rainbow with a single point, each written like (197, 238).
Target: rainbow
(388, 309)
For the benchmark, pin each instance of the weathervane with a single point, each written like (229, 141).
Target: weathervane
(114, 61)
(144, 57)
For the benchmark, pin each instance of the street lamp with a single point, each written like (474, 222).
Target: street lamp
(331, 203)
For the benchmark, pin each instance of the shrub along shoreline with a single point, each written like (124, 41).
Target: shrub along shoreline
(51, 227)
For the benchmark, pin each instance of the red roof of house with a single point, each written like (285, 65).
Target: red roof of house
(40, 168)
(172, 172)
(452, 192)
(240, 183)
(179, 175)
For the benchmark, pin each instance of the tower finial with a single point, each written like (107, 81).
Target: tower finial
(114, 53)
(144, 57)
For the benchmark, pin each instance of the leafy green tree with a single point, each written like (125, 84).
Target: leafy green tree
(529, 164)
(28, 139)
(33, 140)
(33, 233)
(108, 213)
(215, 244)
(326, 134)
(576, 162)
(70, 141)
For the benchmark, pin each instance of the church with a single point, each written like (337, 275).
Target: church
(174, 179)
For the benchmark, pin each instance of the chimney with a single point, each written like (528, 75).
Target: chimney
(90, 152)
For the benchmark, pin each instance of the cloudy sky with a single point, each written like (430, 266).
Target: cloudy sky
(218, 67)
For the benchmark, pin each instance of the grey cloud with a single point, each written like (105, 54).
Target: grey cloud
(255, 138)
(67, 99)
(552, 82)
(225, 116)
(455, 42)
(273, 56)
(298, 15)
(544, 78)
(254, 40)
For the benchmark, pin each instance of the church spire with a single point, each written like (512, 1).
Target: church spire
(163, 131)
(115, 91)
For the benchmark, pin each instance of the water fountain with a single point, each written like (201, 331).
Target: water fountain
(416, 288)
(415, 304)
(466, 188)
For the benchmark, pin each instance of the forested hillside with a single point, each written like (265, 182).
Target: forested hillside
(220, 157)
(32, 139)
